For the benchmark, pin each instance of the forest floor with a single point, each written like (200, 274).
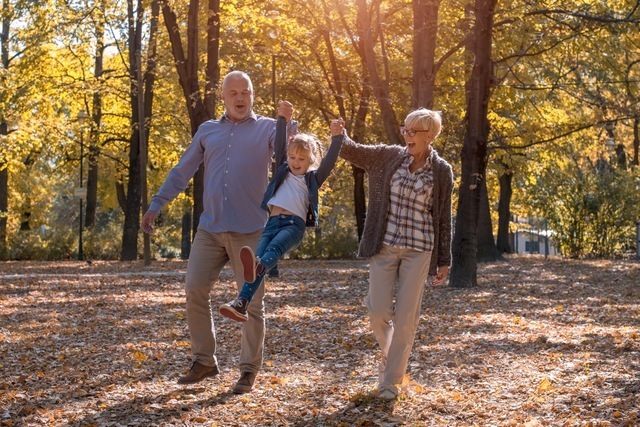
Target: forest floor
(538, 343)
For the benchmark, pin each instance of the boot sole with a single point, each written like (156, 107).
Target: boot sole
(232, 314)
(205, 376)
(248, 260)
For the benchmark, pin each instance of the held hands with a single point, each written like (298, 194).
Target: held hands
(285, 109)
(440, 276)
(147, 221)
(337, 127)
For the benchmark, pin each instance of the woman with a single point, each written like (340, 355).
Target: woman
(407, 234)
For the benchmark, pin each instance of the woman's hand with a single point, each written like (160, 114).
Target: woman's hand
(337, 127)
(440, 276)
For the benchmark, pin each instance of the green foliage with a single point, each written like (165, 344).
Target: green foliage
(42, 245)
(591, 208)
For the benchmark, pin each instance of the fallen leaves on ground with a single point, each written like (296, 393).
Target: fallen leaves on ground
(538, 343)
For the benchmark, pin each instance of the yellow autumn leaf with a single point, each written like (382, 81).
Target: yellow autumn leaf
(559, 308)
(545, 385)
(139, 356)
(405, 380)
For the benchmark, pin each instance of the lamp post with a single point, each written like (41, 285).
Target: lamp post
(82, 117)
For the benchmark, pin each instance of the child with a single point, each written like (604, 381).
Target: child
(291, 196)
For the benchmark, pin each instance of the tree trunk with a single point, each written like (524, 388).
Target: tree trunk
(425, 31)
(4, 131)
(359, 129)
(25, 219)
(198, 199)
(379, 86)
(136, 156)
(636, 141)
(4, 199)
(359, 198)
(504, 213)
(185, 243)
(199, 109)
(474, 152)
(121, 195)
(487, 250)
(96, 119)
(213, 54)
(4, 209)
(132, 212)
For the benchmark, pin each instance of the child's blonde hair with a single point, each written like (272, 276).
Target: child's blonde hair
(309, 144)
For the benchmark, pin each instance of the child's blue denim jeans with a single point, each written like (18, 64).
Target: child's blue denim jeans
(281, 234)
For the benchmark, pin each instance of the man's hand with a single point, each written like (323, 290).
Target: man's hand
(148, 220)
(285, 109)
(441, 276)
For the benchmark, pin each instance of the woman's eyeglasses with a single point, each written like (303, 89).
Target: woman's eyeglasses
(410, 132)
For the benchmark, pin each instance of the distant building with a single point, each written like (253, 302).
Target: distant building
(532, 237)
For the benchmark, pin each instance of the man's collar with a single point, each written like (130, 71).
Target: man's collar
(251, 116)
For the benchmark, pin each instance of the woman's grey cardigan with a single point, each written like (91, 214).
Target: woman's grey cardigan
(380, 162)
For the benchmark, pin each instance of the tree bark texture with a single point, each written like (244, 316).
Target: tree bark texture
(425, 30)
(199, 108)
(504, 213)
(135, 186)
(474, 151)
(359, 194)
(96, 119)
(4, 131)
(4, 199)
(379, 86)
(636, 141)
(487, 250)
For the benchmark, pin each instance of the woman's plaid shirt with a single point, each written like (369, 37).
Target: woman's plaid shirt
(409, 222)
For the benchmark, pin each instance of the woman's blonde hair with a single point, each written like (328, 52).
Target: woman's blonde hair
(309, 144)
(423, 119)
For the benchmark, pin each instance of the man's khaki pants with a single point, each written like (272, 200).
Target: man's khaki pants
(209, 253)
(402, 272)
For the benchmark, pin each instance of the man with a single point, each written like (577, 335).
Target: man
(237, 151)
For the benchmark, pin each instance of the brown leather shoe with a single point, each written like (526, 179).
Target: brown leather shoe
(245, 383)
(197, 373)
